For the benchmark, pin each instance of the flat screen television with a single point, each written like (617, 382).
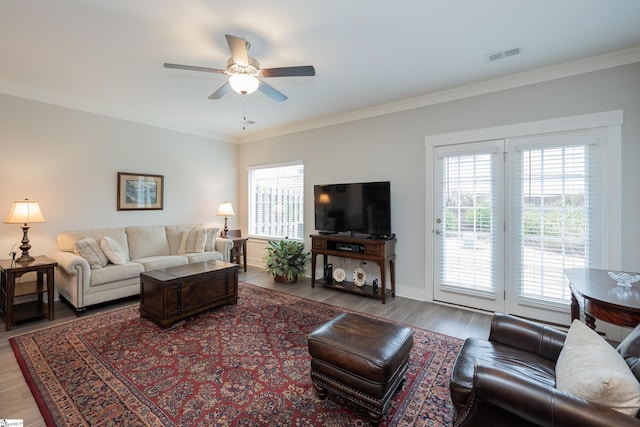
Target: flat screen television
(356, 208)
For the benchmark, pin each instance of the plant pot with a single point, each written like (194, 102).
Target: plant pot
(282, 279)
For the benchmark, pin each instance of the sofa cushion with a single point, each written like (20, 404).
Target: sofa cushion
(210, 244)
(113, 251)
(157, 262)
(116, 273)
(204, 256)
(147, 241)
(590, 368)
(629, 349)
(193, 241)
(90, 250)
(477, 351)
(174, 235)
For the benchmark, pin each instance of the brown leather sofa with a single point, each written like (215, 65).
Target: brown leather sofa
(509, 379)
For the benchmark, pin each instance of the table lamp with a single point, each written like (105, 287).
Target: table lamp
(24, 212)
(225, 210)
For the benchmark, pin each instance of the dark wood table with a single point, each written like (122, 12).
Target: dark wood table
(175, 293)
(602, 298)
(239, 250)
(11, 287)
(379, 251)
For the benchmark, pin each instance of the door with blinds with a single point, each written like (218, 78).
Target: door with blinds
(556, 218)
(511, 215)
(469, 233)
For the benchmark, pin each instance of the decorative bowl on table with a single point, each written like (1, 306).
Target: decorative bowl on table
(624, 279)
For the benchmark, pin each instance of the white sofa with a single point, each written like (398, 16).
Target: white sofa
(141, 248)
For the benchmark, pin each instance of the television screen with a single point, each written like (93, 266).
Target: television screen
(357, 208)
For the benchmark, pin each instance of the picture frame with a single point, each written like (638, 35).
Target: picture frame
(137, 191)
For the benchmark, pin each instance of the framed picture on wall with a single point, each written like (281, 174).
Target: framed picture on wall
(138, 191)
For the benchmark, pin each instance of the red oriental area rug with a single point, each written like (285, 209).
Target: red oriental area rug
(238, 365)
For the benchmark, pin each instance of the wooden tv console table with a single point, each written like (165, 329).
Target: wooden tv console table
(379, 251)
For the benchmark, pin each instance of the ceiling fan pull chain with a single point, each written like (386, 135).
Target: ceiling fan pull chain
(244, 112)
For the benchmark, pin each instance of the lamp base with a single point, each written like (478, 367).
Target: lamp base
(25, 246)
(25, 259)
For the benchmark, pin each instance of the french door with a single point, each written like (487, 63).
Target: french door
(469, 236)
(556, 218)
(510, 215)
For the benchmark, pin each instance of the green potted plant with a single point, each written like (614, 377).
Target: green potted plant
(285, 260)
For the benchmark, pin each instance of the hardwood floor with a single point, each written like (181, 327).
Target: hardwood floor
(16, 401)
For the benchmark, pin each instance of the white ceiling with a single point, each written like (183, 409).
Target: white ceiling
(106, 56)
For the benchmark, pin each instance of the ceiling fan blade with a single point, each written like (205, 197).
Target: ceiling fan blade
(194, 68)
(301, 71)
(222, 91)
(272, 92)
(238, 48)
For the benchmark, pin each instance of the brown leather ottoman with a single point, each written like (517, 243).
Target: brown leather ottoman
(360, 358)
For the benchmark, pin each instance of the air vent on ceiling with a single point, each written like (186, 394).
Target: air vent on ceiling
(496, 56)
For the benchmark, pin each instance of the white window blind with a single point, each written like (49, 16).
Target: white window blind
(556, 213)
(276, 201)
(468, 212)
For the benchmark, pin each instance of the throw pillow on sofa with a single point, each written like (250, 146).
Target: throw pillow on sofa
(210, 245)
(193, 241)
(590, 368)
(89, 249)
(113, 251)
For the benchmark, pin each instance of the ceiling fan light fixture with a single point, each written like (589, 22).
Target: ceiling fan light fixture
(244, 83)
(245, 74)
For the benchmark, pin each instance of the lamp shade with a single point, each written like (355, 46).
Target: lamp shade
(244, 83)
(324, 198)
(24, 212)
(225, 209)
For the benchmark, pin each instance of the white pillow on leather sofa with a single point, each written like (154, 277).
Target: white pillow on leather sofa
(589, 367)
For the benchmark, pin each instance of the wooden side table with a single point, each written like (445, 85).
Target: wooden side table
(239, 250)
(602, 298)
(10, 288)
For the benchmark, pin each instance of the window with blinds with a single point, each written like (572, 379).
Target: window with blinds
(467, 222)
(276, 201)
(555, 213)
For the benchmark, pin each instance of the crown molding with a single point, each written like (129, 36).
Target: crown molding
(573, 68)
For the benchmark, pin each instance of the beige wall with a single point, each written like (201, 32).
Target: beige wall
(391, 147)
(68, 160)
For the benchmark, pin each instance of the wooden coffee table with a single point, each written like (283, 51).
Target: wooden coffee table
(171, 294)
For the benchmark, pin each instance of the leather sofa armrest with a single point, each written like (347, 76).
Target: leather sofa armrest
(224, 246)
(505, 398)
(532, 337)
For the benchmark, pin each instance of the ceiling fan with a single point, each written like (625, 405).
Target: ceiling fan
(245, 73)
